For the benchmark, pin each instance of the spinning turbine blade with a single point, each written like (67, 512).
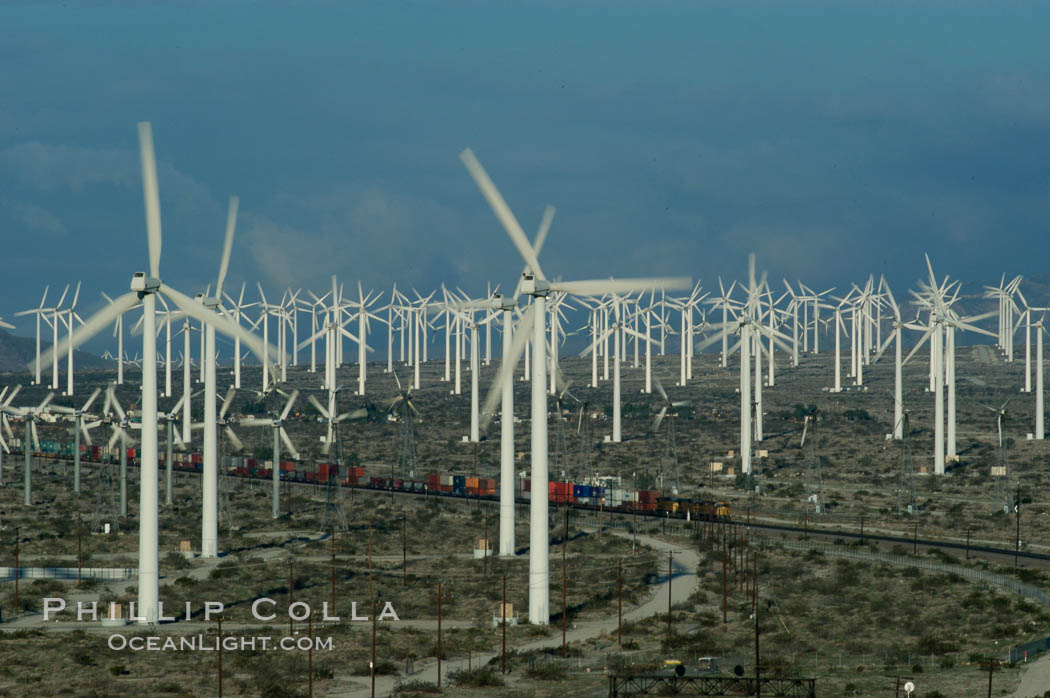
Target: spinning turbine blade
(152, 199)
(227, 245)
(522, 335)
(502, 211)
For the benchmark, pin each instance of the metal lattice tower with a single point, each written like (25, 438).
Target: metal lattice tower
(406, 446)
(334, 515)
(107, 507)
(559, 457)
(671, 453)
(583, 429)
(814, 464)
(906, 502)
(1003, 491)
(225, 510)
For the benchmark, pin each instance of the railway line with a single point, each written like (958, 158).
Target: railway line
(673, 523)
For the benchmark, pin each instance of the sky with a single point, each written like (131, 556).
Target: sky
(833, 139)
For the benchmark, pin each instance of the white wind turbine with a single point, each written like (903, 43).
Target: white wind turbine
(31, 442)
(940, 330)
(749, 326)
(895, 337)
(71, 317)
(144, 288)
(6, 409)
(617, 330)
(363, 315)
(78, 429)
(236, 309)
(39, 312)
(54, 322)
(280, 436)
(537, 286)
(1040, 431)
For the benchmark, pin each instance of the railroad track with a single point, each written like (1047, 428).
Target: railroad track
(675, 525)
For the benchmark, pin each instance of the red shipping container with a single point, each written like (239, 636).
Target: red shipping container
(131, 453)
(287, 465)
(197, 458)
(446, 488)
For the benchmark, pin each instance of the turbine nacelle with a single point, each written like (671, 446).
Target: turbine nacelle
(144, 284)
(531, 286)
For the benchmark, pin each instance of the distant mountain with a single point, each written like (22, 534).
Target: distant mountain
(16, 352)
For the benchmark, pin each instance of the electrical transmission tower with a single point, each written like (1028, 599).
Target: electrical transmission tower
(583, 430)
(334, 515)
(225, 510)
(906, 503)
(815, 467)
(107, 508)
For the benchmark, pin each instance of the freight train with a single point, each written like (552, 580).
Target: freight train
(577, 495)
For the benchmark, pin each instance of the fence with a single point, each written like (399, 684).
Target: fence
(7, 574)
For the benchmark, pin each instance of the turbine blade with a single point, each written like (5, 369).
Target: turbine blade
(151, 197)
(502, 211)
(95, 324)
(318, 407)
(227, 245)
(288, 405)
(522, 335)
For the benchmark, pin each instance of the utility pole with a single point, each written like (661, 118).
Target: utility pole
(375, 611)
(758, 677)
(291, 597)
(310, 656)
(79, 557)
(503, 617)
(16, 568)
(332, 583)
(670, 577)
(220, 656)
(439, 636)
(620, 604)
(724, 619)
(1017, 539)
(404, 554)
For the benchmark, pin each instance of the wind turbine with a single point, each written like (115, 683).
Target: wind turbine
(750, 328)
(30, 415)
(144, 288)
(672, 408)
(279, 436)
(895, 337)
(536, 285)
(39, 312)
(5, 409)
(78, 429)
(71, 317)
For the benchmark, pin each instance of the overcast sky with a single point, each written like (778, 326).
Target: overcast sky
(835, 139)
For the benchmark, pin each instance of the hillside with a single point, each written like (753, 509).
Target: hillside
(16, 352)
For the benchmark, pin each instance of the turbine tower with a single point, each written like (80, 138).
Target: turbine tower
(536, 285)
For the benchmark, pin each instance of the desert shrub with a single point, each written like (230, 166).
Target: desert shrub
(547, 671)
(476, 678)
